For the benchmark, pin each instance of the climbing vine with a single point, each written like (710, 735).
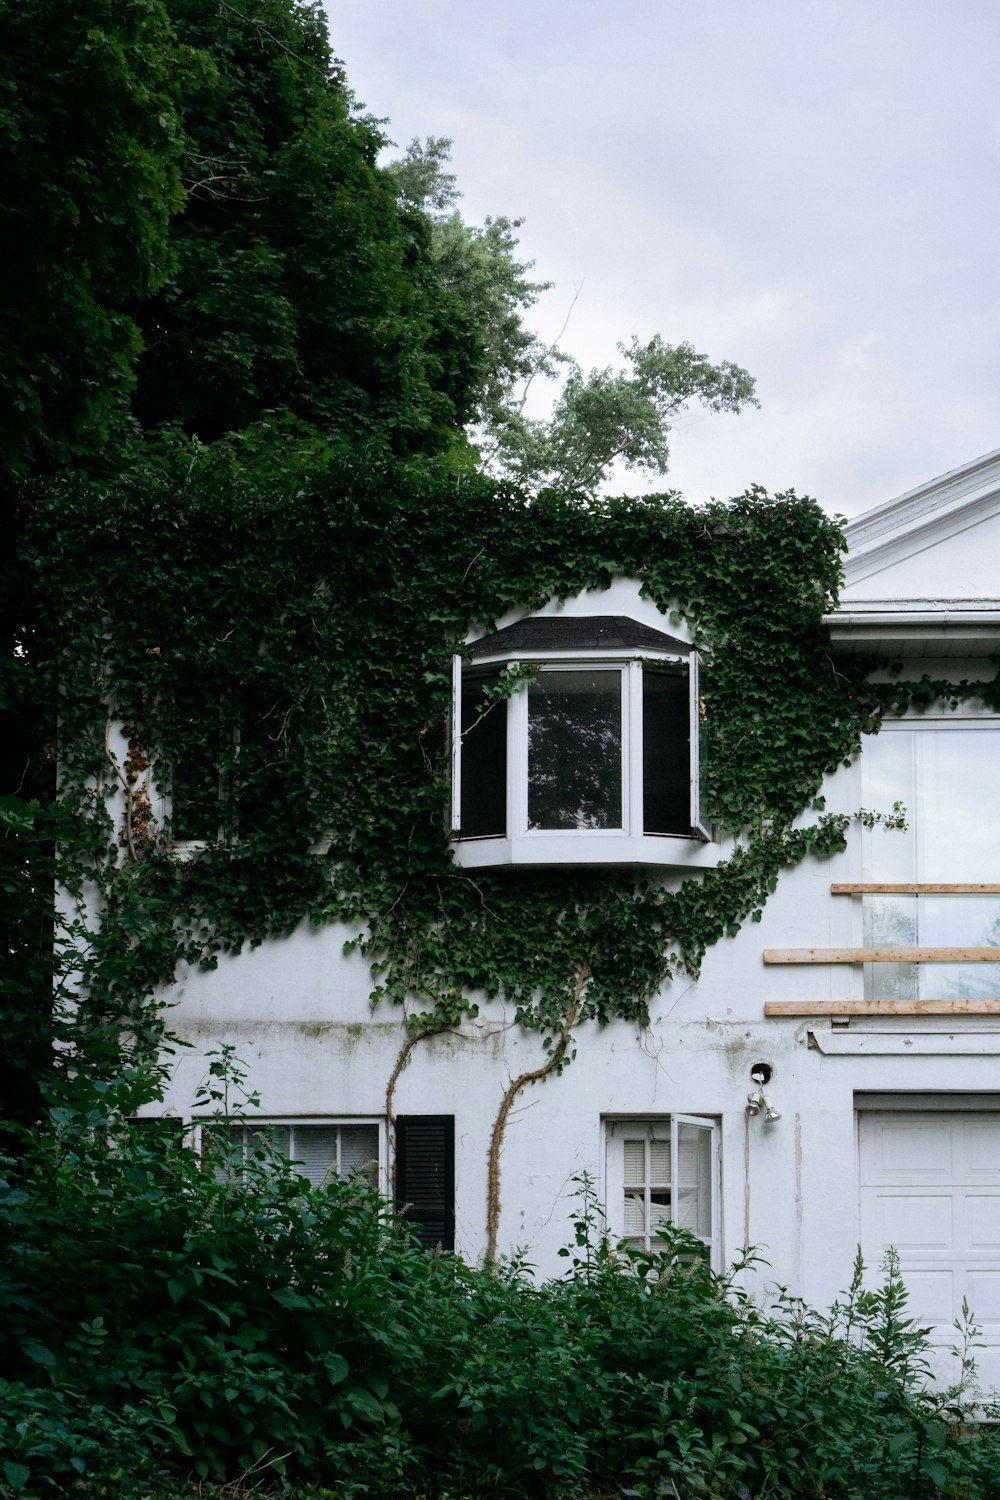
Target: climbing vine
(279, 650)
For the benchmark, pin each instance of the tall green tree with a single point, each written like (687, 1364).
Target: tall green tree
(301, 285)
(484, 286)
(614, 416)
(90, 140)
(597, 420)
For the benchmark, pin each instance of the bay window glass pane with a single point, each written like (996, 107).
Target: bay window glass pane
(575, 750)
(483, 812)
(666, 753)
(946, 779)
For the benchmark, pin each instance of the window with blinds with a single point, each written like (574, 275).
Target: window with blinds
(663, 1172)
(317, 1152)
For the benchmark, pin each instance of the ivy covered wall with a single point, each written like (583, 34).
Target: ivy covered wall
(279, 652)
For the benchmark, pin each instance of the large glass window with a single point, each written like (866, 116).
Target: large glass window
(588, 757)
(947, 780)
(667, 770)
(484, 757)
(575, 749)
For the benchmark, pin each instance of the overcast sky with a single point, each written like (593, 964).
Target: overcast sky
(806, 187)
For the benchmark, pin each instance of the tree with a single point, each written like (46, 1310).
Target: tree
(483, 285)
(597, 419)
(301, 285)
(615, 415)
(89, 176)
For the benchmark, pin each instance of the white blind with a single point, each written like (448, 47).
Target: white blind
(359, 1151)
(315, 1152)
(318, 1152)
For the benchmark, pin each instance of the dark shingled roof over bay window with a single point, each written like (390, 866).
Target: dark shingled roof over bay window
(542, 634)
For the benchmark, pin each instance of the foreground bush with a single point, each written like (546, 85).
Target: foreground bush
(163, 1325)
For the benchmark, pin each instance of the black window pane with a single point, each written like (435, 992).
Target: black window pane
(575, 750)
(483, 811)
(666, 753)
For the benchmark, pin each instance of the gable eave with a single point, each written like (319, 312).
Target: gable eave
(899, 528)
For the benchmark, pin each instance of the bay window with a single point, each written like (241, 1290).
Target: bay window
(577, 740)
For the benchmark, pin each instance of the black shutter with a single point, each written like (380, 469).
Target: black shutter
(425, 1177)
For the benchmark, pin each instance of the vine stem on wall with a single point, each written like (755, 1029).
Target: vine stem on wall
(513, 1089)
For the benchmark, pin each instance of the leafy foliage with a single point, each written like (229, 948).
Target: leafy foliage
(482, 283)
(160, 1318)
(300, 286)
(610, 416)
(90, 139)
(597, 419)
(285, 634)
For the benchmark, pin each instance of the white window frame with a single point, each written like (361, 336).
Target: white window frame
(918, 978)
(662, 1128)
(629, 844)
(251, 1123)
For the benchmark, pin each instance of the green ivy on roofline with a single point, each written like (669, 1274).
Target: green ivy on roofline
(332, 598)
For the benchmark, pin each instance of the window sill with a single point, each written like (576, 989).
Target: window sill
(664, 851)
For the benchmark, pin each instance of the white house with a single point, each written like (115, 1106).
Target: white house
(862, 1013)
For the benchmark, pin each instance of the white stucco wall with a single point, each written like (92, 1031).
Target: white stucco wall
(298, 1014)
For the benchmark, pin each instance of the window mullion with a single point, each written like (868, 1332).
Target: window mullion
(632, 749)
(456, 743)
(517, 762)
(698, 827)
(647, 1173)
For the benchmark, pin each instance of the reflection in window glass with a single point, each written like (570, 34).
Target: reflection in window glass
(575, 750)
(661, 1188)
(947, 781)
(694, 1180)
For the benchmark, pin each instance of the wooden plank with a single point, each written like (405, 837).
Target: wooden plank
(912, 888)
(882, 955)
(882, 1007)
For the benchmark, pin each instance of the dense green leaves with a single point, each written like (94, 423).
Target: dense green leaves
(613, 416)
(279, 649)
(161, 1320)
(300, 285)
(90, 138)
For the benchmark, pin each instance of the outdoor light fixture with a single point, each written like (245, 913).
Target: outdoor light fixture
(761, 1075)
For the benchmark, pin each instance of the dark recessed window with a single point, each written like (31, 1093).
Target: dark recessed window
(484, 757)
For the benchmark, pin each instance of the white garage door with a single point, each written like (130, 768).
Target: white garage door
(930, 1186)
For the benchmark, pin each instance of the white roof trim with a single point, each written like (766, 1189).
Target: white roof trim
(941, 508)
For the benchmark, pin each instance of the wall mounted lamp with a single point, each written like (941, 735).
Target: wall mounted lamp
(761, 1075)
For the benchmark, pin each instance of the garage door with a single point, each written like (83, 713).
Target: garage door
(930, 1186)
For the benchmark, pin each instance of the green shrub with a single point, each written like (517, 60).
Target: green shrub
(163, 1323)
